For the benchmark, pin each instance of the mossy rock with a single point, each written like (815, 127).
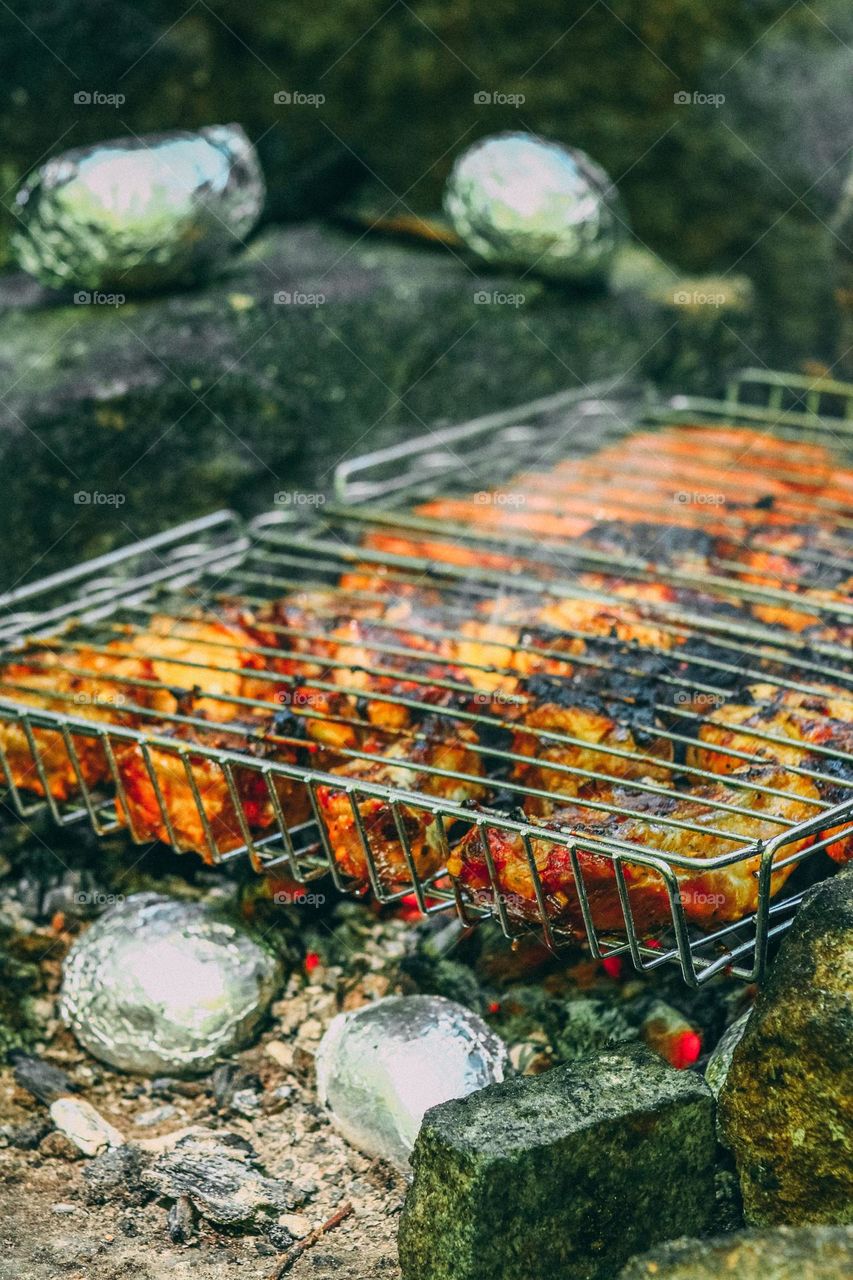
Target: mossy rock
(20, 981)
(168, 407)
(564, 1174)
(786, 1108)
(803, 1253)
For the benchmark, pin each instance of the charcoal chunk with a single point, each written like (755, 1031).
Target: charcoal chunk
(40, 1078)
(221, 1178)
(565, 1174)
(116, 1175)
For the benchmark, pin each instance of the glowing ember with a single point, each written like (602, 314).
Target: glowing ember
(685, 1049)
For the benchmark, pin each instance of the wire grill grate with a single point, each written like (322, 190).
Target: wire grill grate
(382, 602)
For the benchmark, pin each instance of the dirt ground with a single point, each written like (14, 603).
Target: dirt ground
(51, 1230)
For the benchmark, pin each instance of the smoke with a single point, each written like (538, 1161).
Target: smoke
(789, 100)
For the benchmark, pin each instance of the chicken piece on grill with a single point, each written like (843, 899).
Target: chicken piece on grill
(172, 666)
(408, 764)
(505, 510)
(812, 562)
(207, 660)
(744, 455)
(784, 725)
(373, 672)
(646, 822)
(180, 772)
(612, 738)
(518, 638)
(75, 682)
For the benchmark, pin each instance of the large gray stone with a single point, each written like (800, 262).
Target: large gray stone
(167, 408)
(786, 1108)
(563, 1175)
(800, 1253)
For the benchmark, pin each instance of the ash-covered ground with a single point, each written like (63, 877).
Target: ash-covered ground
(67, 1215)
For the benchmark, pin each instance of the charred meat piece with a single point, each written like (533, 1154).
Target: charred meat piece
(648, 822)
(783, 725)
(614, 739)
(814, 563)
(409, 764)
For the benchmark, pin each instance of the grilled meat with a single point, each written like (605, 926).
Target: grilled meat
(77, 682)
(785, 725)
(577, 698)
(610, 738)
(409, 764)
(174, 665)
(189, 781)
(648, 822)
(204, 660)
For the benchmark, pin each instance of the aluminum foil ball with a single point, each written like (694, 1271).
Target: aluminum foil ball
(138, 213)
(379, 1069)
(521, 201)
(164, 987)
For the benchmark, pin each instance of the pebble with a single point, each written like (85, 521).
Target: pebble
(78, 1121)
(156, 1115)
(296, 1223)
(55, 1146)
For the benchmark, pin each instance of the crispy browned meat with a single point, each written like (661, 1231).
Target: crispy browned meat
(606, 743)
(641, 820)
(173, 665)
(76, 682)
(784, 725)
(191, 784)
(409, 764)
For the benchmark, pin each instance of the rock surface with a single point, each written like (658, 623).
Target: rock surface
(786, 1109)
(721, 1059)
(380, 1068)
(84, 1126)
(566, 1174)
(800, 1253)
(119, 421)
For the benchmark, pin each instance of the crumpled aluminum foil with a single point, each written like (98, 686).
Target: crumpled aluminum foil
(164, 987)
(717, 1068)
(380, 1068)
(138, 213)
(524, 202)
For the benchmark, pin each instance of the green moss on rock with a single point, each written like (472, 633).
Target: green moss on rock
(563, 1175)
(786, 1108)
(803, 1253)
